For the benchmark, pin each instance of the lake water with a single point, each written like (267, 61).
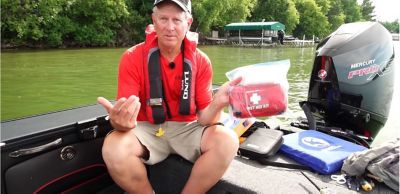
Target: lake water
(35, 82)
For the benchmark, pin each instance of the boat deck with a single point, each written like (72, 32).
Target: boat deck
(246, 176)
(258, 178)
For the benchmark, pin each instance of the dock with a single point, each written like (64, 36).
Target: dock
(257, 42)
(214, 41)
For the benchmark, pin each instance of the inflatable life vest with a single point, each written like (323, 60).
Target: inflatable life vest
(157, 108)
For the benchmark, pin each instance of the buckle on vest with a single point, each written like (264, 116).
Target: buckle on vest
(155, 102)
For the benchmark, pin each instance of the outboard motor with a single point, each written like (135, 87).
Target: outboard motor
(352, 80)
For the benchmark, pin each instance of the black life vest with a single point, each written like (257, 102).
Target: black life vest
(157, 108)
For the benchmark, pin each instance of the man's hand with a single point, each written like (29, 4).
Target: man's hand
(212, 113)
(124, 113)
(221, 98)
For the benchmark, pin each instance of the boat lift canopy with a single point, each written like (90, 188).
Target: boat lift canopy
(255, 26)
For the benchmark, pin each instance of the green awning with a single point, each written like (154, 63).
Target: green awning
(255, 26)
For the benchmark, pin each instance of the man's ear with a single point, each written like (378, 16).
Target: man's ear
(190, 21)
(153, 18)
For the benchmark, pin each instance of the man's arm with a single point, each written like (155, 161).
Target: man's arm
(211, 114)
(124, 112)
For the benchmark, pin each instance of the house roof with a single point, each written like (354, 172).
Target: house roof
(255, 26)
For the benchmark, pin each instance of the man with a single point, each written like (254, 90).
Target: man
(165, 105)
(281, 36)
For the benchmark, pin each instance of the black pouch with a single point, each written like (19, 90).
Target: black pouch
(261, 143)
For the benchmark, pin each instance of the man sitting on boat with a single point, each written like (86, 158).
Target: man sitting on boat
(165, 106)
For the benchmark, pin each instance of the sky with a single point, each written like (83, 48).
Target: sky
(386, 10)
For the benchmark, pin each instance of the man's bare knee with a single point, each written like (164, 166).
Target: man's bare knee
(121, 153)
(118, 146)
(221, 140)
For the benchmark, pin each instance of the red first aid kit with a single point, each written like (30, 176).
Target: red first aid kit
(263, 90)
(257, 100)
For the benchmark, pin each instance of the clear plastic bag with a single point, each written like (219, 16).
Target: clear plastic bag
(263, 90)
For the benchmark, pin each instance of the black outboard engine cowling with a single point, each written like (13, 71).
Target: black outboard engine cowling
(352, 80)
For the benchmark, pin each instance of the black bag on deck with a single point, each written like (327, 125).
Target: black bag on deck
(261, 142)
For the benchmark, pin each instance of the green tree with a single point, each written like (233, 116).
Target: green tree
(44, 23)
(133, 26)
(29, 23)
(211, 14)
(351, 10)
(312, 20)
(96, 21)
(205, 13)
(367, 10)
(335, 14)
(325, 5)
(235, 11)
(283, 11)
(392, 27)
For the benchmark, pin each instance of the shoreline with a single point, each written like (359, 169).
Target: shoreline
(266, 45)
(22, 49)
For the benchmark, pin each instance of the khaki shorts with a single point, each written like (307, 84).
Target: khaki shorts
(180, 138)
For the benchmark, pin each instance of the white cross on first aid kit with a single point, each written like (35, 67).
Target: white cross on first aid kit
(255, 98)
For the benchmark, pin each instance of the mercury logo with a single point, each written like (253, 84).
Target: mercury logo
(255, 98)
(374, 69)
(322, 74)
(362, 64)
